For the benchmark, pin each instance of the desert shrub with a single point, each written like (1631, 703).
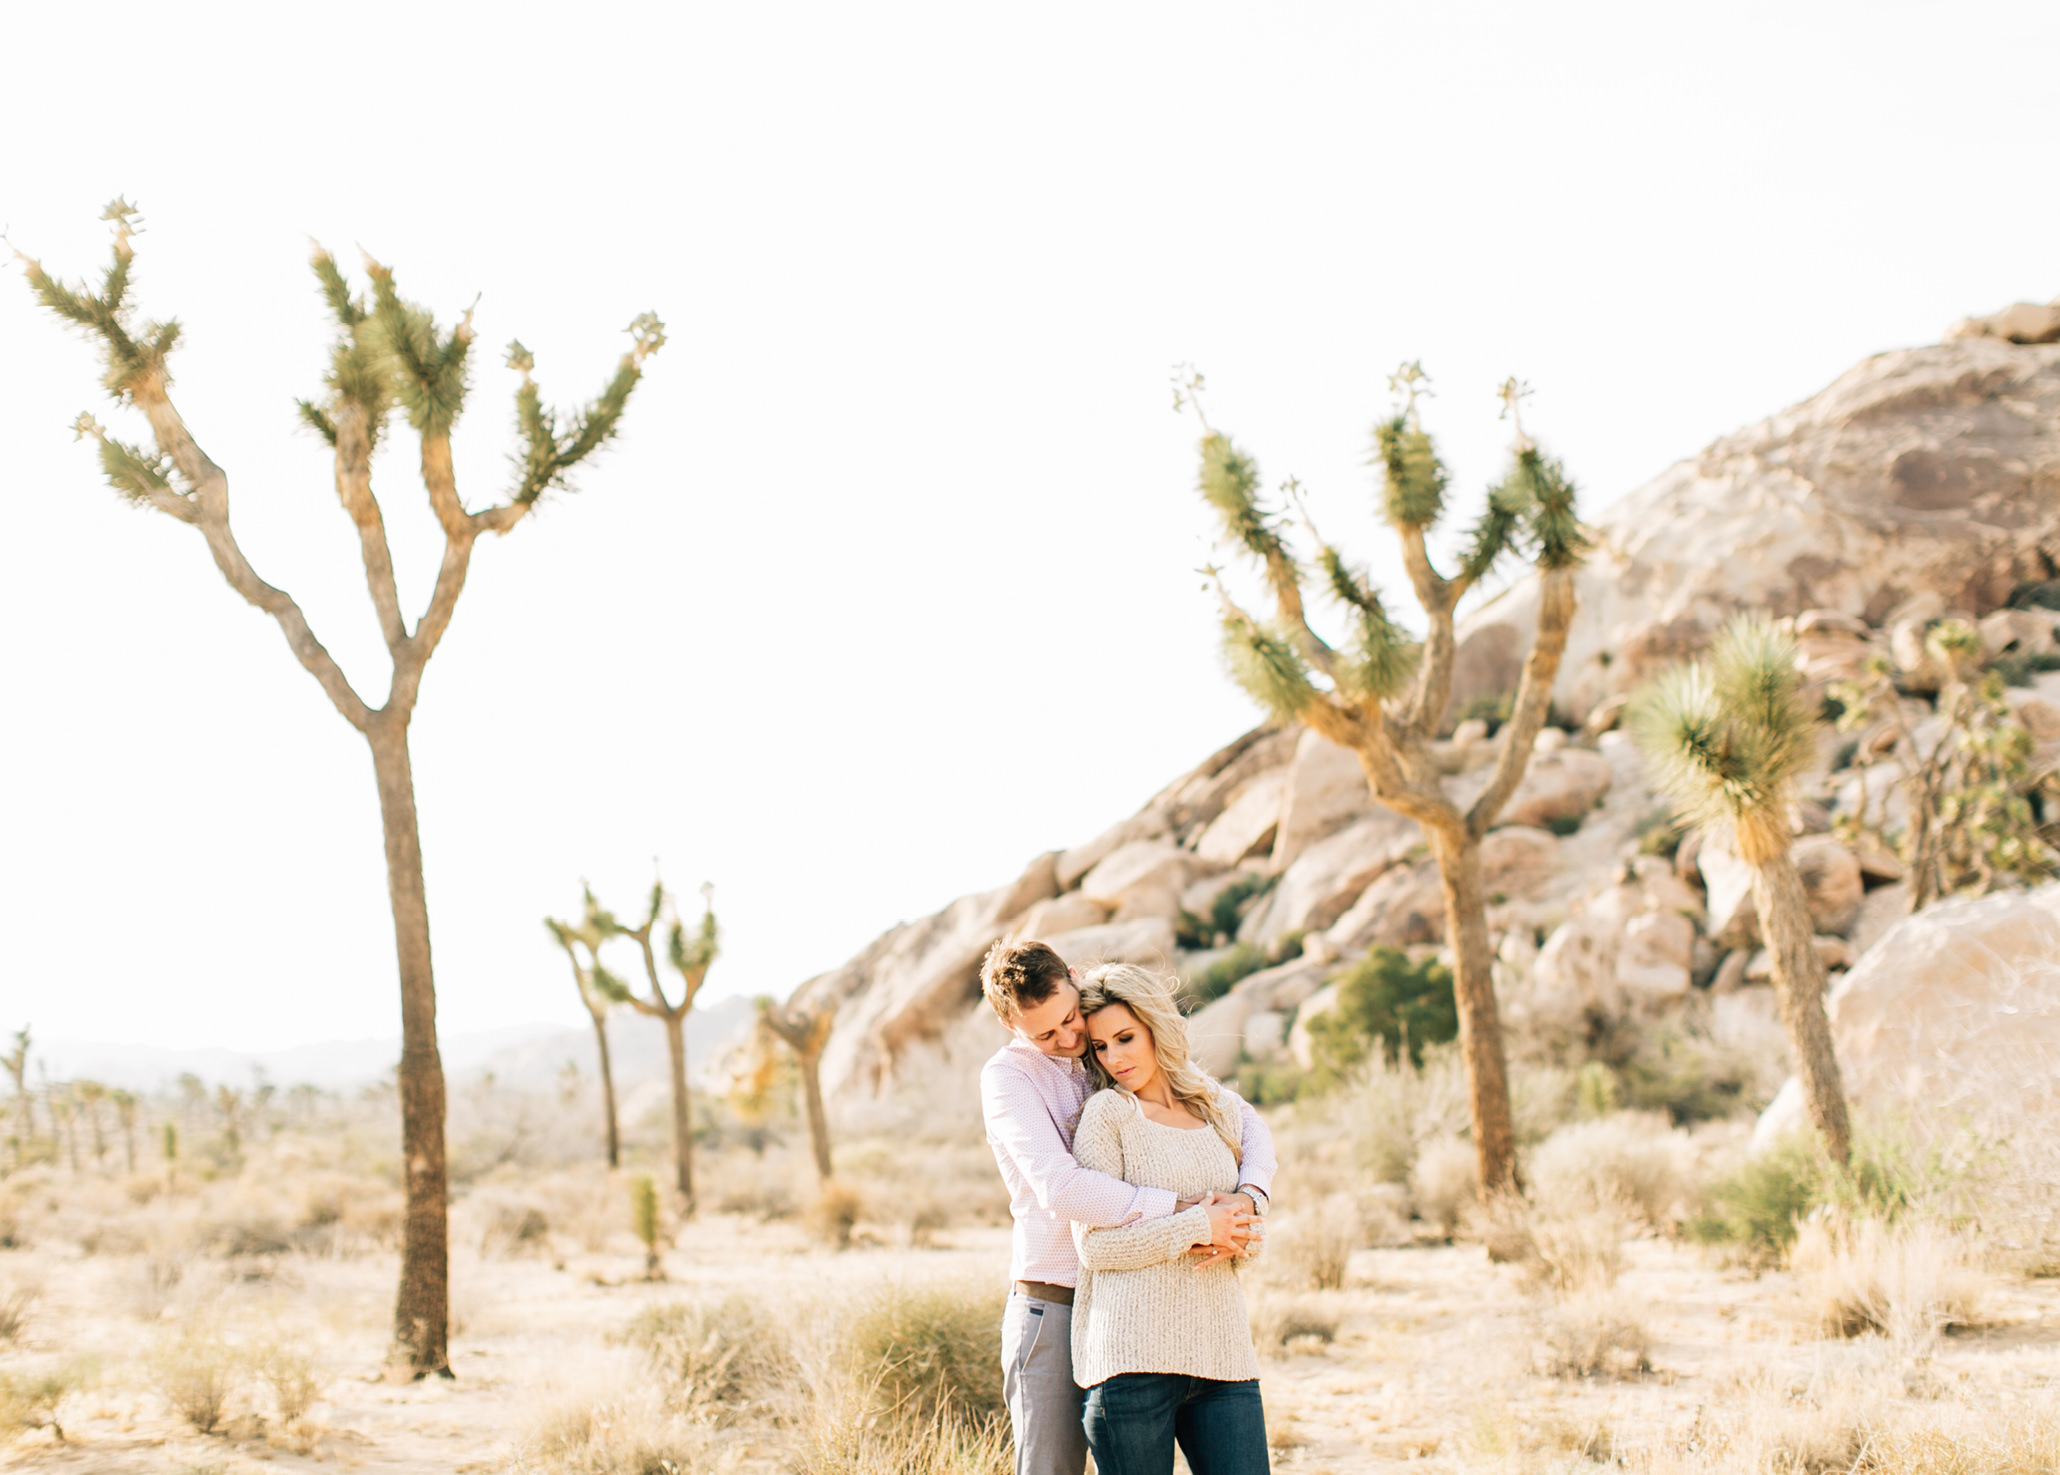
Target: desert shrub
(930, 1352)
(731, 1352)
(1593, 1335)
(1686, 1074)
(198, 1373)
(1405, 1006)
(1909, 1281)
(1313, 1246)
(1630, 1160)
(635, 1434)
(1758, 1209)
(1391, 1109)
(1283, 1322)
(296, 1383)
(31, 1396)
(1443, 1182)
(1493, 710)
(15, 1303)
(2015, 1441)
(835, 1213)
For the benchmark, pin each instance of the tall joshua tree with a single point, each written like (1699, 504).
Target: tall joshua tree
(1384, 695)
(389, 356)
(691, 955)
(805, 1033)
(598, 989)
(1727, 738)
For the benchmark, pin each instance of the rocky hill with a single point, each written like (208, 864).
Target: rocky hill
(1922, 483)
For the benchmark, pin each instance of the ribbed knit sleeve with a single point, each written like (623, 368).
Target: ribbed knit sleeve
(1098, 1146)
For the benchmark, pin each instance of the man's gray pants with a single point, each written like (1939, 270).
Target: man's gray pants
(1045, 1404)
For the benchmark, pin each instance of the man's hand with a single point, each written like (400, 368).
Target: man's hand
(1230, 1228)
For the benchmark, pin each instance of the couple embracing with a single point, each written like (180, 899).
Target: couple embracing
(1136, 1184)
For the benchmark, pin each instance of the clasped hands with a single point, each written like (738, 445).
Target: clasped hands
(1232, 1227)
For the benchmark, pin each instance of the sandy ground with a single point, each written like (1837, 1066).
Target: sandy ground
(1433, 1366)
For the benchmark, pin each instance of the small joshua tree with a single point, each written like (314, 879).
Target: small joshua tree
(691, 956)
(125, 1105)
(1385, 696)
(643, 1206)
(805, 1034)
(1968, 825)
(1727, 738)
(390, 357)
(598, 989)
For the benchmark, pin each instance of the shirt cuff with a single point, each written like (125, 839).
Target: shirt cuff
(1155, 1203)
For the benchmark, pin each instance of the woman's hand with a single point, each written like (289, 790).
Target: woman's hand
(1230, 1229)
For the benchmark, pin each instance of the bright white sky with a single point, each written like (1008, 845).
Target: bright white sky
(889, 584)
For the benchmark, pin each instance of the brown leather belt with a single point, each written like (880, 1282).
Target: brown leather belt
(1038, 1290)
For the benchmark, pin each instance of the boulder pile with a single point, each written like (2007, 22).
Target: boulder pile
(1923, 484)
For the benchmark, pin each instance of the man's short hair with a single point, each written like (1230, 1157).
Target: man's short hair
(1020, 975)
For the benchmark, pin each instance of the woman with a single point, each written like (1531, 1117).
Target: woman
(1163, 1347)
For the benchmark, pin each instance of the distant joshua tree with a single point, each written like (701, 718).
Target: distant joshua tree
(691, 956)
(17, 1063)
(91, 1094)
(805, 1033)
(1385, 695)
(1727, 738)
(598, 989)
(125, 1105)
(389, 356)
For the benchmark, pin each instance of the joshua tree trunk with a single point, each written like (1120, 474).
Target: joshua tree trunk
(1480, 1019)
(682, 1115)
(1777, 889)
(806, 1035)
(421, 1314)
(608, 1089)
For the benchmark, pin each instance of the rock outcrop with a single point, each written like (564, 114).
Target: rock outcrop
(1926, 471)
(1923, 483)
(1954, 1013)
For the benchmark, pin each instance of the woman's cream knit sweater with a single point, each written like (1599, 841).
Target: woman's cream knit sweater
(1142, 1306)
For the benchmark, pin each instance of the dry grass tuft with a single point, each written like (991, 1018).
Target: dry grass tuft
(1632, 1161)
(1313, 1246)
(1592, 1335)
(846, 1437)
(30, 1397)
(1909, 1282)
(835, 1213)
(931, 1352)
(1293, 1323)
(198, 1373)
(632, 1434)
(15, 1304)
(1442, 1183)
(293, 1377)
(727, 1356)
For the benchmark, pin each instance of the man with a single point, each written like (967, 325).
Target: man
(1031, 1093)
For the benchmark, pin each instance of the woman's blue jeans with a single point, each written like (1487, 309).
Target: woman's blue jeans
(1134, 1418)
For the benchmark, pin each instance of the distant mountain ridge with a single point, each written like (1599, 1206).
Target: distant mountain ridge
(524, 1056)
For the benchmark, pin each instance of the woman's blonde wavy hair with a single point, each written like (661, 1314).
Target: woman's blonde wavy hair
(1153, 1000)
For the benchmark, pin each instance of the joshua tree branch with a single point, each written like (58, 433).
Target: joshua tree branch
(1533, 697)
(210, 507)
(354, 489)
(1286, 580)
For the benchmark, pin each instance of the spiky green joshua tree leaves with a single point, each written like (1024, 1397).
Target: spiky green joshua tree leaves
(1384, 694)
(390, 356)
(1727, 738)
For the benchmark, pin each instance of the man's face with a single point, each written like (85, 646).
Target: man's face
(1055, 1026)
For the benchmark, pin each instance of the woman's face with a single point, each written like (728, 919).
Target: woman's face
(1124, 1047)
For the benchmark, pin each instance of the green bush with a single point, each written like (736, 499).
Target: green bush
(1493, 710)
(1385, 997)
(1216, 980)
(1758, 1208)
(1226, 913)
(931, 1352)
(2017, 670)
